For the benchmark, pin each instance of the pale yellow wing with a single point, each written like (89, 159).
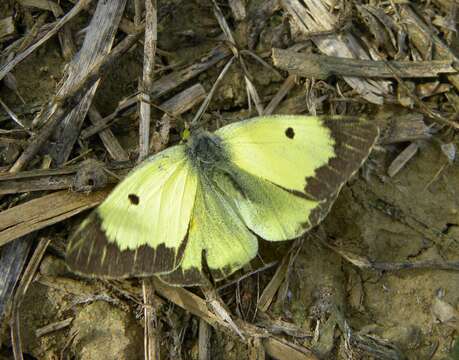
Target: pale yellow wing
(308, 154)
(270, 211)
(140, 229)
(217, 240)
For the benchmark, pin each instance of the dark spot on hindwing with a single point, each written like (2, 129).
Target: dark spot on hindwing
(134, 199)
(290, 133)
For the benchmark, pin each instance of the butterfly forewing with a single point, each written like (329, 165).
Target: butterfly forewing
(281, 149)
(140, 229)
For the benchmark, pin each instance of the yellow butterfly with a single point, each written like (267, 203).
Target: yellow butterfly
(201, 205)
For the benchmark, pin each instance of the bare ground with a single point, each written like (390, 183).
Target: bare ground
(340, 296)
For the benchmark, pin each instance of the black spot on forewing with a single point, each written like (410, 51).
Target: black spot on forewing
(290, 133)
(134, 199)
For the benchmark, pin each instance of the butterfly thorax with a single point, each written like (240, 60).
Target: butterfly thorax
(205, 150)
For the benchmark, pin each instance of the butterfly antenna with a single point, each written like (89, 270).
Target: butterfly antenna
(205, 104)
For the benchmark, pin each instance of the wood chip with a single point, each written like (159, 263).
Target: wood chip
(7, 27)
(406, 127)
(401, 160)
(44, 211)
(59, 325)
(238, 9)
(322, 67)
(314, 16)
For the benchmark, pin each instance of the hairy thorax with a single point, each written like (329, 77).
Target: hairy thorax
(206, 151)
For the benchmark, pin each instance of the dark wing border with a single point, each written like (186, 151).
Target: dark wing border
(354, 139)
(90, 253)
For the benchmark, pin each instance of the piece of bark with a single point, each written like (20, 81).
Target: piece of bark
(423, 37)
(184, 100)
(82, 4)
(97, 43)
(176, 78)
(314, 16)
(36, 184)
(36, 173)
(36, 214)
(322, 66)
(7, 27)
(404, 128)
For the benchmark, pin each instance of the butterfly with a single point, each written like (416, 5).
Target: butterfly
(198, 209)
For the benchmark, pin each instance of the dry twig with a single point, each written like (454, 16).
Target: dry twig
(322, 66)
(81, 5)
(19, 295)
(151, 36)
(274, 345)
(62, 104)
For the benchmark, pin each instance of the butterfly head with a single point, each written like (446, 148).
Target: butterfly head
(205, 149)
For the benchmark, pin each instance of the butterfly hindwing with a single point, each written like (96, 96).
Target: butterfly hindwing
(140, 229)
(270, 211)
(217, 236)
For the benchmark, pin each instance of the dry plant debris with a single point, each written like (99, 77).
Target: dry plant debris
(89, 88)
